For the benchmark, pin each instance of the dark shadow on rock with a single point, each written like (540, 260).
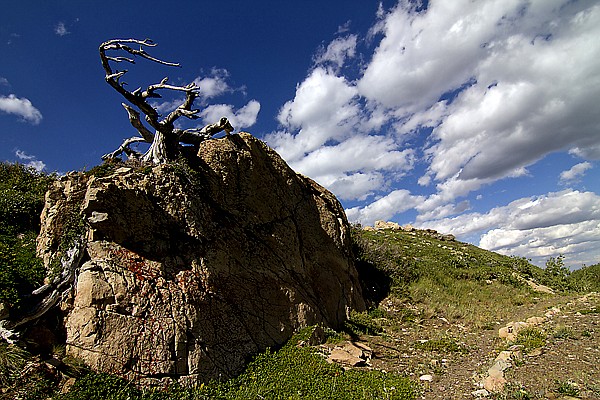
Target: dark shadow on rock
(375, 283)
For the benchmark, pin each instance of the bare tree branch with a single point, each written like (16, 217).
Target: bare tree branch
(124, 148)
(134, 119)
(165, 142)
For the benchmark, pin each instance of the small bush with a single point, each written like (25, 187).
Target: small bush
(12, 361)
(586, 333)
(362, 323)
(530, 338)
(595, 310)
(567, 388)
(563, 332)
(516, 392)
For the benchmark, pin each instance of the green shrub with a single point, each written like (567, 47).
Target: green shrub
(563, 332)
(595, 310)
(12, 361)
(22, 192)
(586, 279)
(567, 388)
(530, 338)
(363, 323)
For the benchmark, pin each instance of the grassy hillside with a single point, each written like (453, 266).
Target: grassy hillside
(435, 276)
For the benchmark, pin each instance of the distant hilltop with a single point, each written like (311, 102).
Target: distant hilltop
(381, 225)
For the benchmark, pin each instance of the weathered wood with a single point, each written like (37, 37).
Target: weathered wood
(165, 141)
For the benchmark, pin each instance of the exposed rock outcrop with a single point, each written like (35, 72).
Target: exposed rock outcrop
(189, 270)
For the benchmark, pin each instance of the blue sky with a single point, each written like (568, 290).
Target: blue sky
(480, 119)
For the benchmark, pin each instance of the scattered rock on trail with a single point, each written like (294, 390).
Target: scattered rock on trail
(350, 354)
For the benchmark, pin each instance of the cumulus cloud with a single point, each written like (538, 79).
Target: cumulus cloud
(525, 73)
(323, 109)
(574, 173)
(30, 161)
(243, 118)
(384, 208)
(337, 52)
(328, 135)
(214, 84)
(352, 167)
(21, 107)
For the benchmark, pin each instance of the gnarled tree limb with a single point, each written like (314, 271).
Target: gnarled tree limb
(165, 140)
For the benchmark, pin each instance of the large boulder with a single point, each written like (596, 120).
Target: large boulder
(190, 268)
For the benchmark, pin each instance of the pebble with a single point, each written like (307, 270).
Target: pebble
(426, 378)
(480, 393)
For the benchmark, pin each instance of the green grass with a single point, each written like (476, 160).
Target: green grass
(567, 388)
(12, 361)
(442, 345)
(364, 322)
(290, 373)
(595, 310)
(530, 338)
(563, 332)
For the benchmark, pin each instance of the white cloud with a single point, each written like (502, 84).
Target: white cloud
(243, 118)
(385, 208)
(525, 70)
(353, 169)
(166, 107)
(530, 97)
(323, 99)
(355, 154)
(213, 85)
(325, 136)
(337, 52)
(322, 110)
(344, 28)
(30, 161)
(4, 81)
(22, 107)
(575, 173)
(60, 29)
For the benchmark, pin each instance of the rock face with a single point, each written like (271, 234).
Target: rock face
(191, 269)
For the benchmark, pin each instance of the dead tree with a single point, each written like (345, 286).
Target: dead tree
(165, 141)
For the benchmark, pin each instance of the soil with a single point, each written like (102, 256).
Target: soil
(457, 357)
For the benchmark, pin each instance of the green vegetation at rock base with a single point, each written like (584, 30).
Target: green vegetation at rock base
(292, 372)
